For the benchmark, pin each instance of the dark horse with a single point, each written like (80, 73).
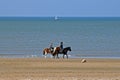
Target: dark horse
(64, 51)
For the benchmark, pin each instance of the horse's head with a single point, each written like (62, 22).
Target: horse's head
(69, 48)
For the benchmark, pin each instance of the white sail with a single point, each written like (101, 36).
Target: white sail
(56, 18)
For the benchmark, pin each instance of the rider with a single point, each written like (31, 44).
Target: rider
(61, 46)
(51, 47)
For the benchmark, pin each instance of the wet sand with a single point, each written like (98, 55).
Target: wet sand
(59, 69)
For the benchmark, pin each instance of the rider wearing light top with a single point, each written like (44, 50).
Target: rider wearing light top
(51, 47)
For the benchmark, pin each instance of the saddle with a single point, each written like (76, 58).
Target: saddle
(61, 50)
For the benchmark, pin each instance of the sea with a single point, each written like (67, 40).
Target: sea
(88, 37)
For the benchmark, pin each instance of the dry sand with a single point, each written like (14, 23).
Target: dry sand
(59, 69)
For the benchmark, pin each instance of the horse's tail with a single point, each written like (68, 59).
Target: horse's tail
(43, 52)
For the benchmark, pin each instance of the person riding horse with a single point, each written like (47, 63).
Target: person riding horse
(54, 51)
(61, 46)
(51, 47)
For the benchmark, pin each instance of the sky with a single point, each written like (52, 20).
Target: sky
(77, 8)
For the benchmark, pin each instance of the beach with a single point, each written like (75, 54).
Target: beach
(59, 69)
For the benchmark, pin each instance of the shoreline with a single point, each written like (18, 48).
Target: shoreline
(48, 56)
(59, 69)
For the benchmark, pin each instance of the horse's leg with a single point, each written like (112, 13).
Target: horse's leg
(54, 56)
(45, 54)
(57, 56)
(51, 56)
(67, 56)
(63, 56)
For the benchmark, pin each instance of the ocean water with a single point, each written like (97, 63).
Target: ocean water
(88, 37)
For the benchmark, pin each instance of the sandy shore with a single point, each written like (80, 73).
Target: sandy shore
(59, 69)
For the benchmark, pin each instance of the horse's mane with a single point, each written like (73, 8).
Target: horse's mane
(67, 47)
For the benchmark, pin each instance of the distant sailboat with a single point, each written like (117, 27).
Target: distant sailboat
(56, 18)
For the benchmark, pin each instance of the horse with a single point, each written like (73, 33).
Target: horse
(47, 51)
(64, 51)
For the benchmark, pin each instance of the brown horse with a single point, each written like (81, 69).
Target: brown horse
(53, 53)
(56, 51)
(47, 51)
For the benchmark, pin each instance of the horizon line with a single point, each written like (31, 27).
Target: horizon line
(52, 16)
